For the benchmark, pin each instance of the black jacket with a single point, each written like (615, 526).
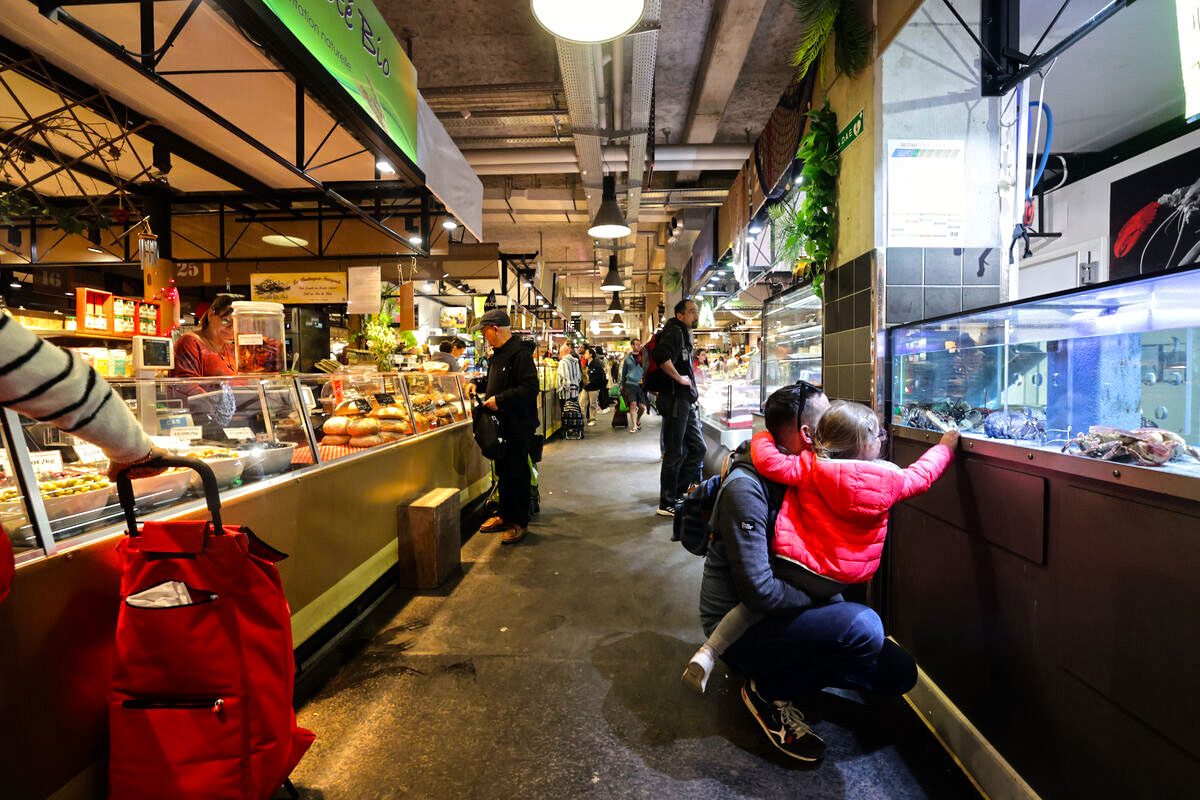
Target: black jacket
(737, 568)
(596, 380)
(512, 379)
(674, 344)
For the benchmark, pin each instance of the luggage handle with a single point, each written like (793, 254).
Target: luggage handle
(212, 494)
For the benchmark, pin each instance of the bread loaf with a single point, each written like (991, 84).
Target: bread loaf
(395, 426)
(331, 440)
(390, 412)
(366, 441)
(348, 408)
(336, 425)
(362, 426)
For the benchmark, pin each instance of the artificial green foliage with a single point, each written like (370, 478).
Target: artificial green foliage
(838, 18)
(806, 231)
(672, 280)
(17, 207)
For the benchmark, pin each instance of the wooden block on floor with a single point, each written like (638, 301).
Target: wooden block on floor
(429, 539)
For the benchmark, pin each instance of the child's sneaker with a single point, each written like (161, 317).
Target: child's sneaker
(695, 677)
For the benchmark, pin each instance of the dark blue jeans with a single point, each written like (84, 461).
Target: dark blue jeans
(683, 446)
(840, 645)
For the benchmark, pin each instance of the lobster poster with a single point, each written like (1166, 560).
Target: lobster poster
(1152, 221)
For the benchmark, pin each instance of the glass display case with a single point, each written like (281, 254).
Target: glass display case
(791, 340)
(248, 429)
(729, 403)
(1102, 372)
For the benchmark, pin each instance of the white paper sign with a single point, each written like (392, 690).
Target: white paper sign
(239, 434)
(187, 433)
(46, 461)
(250, 338)
(89, 453)
(364, 293)
(4, 465)
(927, 192)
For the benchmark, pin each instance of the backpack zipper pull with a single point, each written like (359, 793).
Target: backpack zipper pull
(218, 705)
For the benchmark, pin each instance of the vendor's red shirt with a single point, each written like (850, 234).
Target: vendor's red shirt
(194, 358)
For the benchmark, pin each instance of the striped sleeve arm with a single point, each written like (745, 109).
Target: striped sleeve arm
(54, 385)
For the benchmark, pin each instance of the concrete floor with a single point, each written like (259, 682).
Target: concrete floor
(550, 669)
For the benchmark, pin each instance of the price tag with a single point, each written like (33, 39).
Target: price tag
(262, 437)
(239, 434)
(187, 433)
(364, 405)
(4, 465)
(46, 461)
(89, 453)
(250, 338)
(385, 399)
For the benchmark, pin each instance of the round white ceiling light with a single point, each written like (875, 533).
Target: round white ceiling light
(588, 21)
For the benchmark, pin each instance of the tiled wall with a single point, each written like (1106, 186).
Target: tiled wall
(922, 283)
(847, 364)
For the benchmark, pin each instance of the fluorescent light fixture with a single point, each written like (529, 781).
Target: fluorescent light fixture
(449, 224)
(15, 285)
(756, 228)
(609, 222)
(1189, 55)
(429, 286)
(96, 250)
(588, 21)
(385, 167)
(414, 240)
(279, 240)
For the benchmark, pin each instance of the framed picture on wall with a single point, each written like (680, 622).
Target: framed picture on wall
(1152, 219)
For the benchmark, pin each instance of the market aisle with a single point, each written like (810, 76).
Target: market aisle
(550, 669)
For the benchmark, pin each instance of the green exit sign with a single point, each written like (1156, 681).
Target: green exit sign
(851, 131)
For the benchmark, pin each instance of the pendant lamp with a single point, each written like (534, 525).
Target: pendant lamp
(612, 281)
(588, 21)
(615, 306)
(609, 222)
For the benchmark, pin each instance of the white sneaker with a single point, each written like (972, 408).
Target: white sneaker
(695, 677)
(590, 424)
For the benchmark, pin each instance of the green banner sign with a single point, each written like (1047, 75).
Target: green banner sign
(850, 132)
(355, 45)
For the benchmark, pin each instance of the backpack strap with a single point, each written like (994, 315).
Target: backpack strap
(739, 471)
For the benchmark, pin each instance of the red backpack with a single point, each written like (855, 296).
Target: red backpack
(653, 377)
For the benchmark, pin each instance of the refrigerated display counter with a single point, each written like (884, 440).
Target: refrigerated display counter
(1047, 583)
(330, 500)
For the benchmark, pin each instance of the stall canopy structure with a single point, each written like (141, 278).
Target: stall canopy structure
(214, 120)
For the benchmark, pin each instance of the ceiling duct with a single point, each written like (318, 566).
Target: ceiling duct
(577, 64)
(645, 56)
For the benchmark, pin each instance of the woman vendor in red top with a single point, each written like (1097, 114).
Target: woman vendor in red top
(208, 352)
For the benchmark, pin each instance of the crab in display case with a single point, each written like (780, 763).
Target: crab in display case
(1149, 446)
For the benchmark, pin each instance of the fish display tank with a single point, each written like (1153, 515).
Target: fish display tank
(791, 340)
(1104, 373)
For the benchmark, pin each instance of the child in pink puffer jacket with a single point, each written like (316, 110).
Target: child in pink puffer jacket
(831, 527)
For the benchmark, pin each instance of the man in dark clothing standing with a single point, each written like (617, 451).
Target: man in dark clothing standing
(512, 387)
(683, 444)
(803, 645)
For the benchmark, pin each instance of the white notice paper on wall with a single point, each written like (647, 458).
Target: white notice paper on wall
(927, 194)
(363, 291)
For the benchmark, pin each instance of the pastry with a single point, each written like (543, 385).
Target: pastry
(363, 426)
(336, 425)
(348, 408)
(443, 412)
(366, 441)
(335, 440)
(435, 366)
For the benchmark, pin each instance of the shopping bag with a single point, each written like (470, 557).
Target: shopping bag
(200, 706)
(487, 430)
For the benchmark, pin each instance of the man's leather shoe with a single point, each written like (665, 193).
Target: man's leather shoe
(493, 525)
(514, 534)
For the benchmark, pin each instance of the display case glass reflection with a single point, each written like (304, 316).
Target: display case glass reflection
(1105, 373)
(729, 403)
(14, 515)
(791, 341)
(245, 429)
(436, 399)
(353, 412)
